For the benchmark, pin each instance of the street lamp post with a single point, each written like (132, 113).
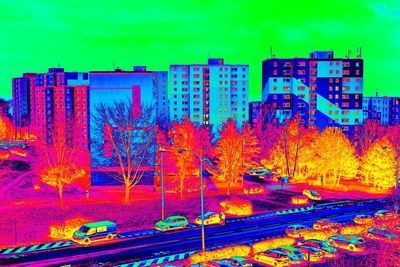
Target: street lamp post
(203, 245)
(162, 150)
(396, 204)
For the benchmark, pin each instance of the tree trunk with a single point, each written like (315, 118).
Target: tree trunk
(181, 188)
(60, 194)
(297, 150)
(286, 151)
(127, 193)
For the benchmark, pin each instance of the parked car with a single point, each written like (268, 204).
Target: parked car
(325, 224)
(273, 257)
(312, 254)
(363, 219)
(312, 194)
(380, 233)
(206, 264)
(172, 222)
(260, 172)
(297, 230)
(95, 231)
(211, 217)
(330, 251)
(239, 262)
(384, 215)
(348, 242)
(294, 254)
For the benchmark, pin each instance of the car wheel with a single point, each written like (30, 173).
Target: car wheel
(275, 263)
(183, 225)
(109, 237)
(300, 235)
(256, 258)
(166, 228)
(86, 241)
(351, 247)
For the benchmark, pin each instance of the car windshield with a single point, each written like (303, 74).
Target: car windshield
(84, 229)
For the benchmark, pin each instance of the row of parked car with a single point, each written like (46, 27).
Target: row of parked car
(106, 230)
(314, 250)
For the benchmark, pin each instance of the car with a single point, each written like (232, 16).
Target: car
(325, 224)
(238, 261)
(273, 257)
(94, 232)
(254, 190)
(298, 230)
(384, 215)
(206, 264)
(211, 217)
(312, 194)
(260, 172)
(172, 222)
(330, 251)
(363, 219)
(294, 254)
(312, 254)
(348, 242)
(380, 233)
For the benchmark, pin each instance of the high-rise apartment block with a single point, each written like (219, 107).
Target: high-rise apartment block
(322, 90)
(56, 99)
(210, 93)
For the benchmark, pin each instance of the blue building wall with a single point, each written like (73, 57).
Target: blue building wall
(108, 88)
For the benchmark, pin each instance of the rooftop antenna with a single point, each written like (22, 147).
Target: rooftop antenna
(349, 53)
(272, 52)
(359, 53)
(376, 94)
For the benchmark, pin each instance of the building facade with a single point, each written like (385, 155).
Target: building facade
(140, 88)
(255, 108)
(210, 93)
(383, 108)
(322, 90)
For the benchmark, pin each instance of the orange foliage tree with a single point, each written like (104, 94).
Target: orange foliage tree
(334, 157)
(367, 133)
(378, 164)
(132, 137)
(292, 151)
(5, 128)
(187, 137)
(59, 161)
(234, 153)
(268, 131)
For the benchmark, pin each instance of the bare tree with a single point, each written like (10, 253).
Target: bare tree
(61, 161)
(130, 136)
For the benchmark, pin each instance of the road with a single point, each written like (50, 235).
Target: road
(244, 230)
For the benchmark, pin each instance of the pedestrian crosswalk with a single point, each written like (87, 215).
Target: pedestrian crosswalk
(38, 247)
(159, 260)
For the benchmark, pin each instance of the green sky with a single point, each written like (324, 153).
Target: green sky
(92, 35)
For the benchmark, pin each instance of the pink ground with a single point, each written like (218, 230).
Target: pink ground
(34, 211)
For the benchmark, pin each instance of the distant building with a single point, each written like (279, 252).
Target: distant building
(322, 90)
(383, 108)
(210, 93)
(255, 108)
